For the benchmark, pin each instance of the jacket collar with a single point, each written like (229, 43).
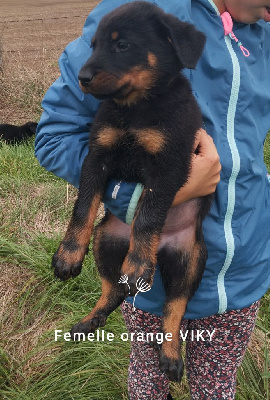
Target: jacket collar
(210, 5)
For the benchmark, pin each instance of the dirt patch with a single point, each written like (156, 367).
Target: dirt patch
(41, 29)
(33, 35)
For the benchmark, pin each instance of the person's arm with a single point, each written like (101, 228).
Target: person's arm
(63, 130)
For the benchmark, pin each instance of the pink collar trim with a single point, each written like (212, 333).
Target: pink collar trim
(228, 26)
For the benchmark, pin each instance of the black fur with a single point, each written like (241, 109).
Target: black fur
(144, 132)
(15, 134)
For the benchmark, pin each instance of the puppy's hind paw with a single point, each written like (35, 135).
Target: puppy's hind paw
(90, 326)
(173, 368)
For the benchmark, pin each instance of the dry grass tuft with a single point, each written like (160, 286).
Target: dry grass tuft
(23, 88)
(21, 332)
(257, 342)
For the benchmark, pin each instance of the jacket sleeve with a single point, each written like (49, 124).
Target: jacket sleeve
(63, 130)
(62, 134)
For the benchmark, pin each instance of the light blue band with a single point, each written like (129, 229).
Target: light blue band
(133, 203)
(232, 181)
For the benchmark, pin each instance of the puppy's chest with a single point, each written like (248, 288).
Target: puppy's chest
(138, 140)
(135, 143)
(130, 152)
(141, 130)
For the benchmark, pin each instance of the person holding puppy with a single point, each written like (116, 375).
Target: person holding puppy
(231, 84)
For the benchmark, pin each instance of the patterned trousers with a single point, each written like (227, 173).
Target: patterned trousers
(215, 347)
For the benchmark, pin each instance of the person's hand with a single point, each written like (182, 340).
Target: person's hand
(205, 170)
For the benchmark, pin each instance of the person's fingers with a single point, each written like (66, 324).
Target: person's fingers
(206, 148)
(200, 134)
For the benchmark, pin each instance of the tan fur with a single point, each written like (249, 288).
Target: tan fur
(139, 81)
(152, 60)
(174, 313)
(108, 136)
(82, 236)
(102, 302)
(152, 140)
(114, 35)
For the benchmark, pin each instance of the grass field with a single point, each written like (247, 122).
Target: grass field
(35, 207)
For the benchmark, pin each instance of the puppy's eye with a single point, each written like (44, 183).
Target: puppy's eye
(122, 46)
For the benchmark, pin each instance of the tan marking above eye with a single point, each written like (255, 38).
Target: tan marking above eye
(152, 59)
(114, 35)
(152, 140)
(108, 136)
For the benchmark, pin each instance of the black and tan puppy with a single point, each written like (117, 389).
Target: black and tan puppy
(12, 134)
(144, 132)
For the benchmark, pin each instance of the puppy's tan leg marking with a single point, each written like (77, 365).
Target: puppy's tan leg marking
(78, 237)
(107, 290)
(174, 313)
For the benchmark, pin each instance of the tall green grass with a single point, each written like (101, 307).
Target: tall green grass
(48, 369)
(34, 211)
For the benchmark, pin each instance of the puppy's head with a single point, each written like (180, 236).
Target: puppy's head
(29, 128)
(137, 50)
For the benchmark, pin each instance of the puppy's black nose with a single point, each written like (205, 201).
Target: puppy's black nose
(85, 80)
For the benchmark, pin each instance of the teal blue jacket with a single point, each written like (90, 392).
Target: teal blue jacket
(233, 92)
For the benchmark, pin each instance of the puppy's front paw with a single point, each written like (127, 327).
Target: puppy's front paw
(64, 270)
(68, 263)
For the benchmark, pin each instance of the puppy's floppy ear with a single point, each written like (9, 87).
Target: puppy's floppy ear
(186, 40)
